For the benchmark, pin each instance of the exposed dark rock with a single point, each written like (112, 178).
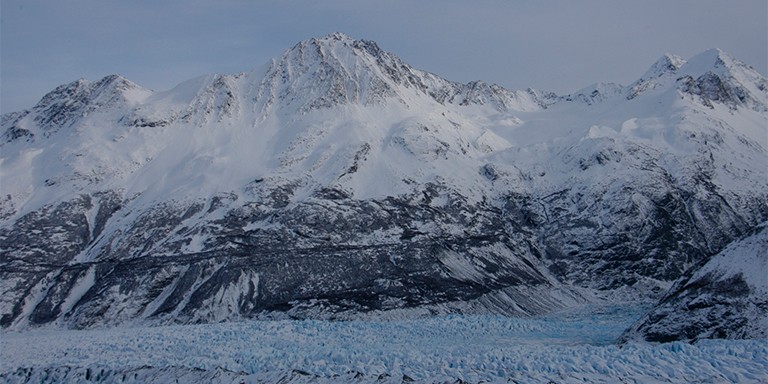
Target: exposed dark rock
(725, 298)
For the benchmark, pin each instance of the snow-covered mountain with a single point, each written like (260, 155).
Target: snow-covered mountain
(337, 181)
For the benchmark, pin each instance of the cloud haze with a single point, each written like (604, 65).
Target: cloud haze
(552, 45)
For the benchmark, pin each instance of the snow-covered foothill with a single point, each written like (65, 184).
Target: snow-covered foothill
(725, 298)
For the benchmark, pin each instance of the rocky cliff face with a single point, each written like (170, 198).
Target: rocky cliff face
(337, 181)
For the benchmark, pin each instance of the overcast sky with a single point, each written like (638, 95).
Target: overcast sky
(552, 45)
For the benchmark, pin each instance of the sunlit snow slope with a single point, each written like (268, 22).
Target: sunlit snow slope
(337, 181)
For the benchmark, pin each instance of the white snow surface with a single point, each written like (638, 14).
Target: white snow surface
(572, 346)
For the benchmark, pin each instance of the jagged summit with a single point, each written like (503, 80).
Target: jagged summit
(110, 90)
(68, 104)
(337, 69)
(335, 36)
(711, 60)
(595, 93)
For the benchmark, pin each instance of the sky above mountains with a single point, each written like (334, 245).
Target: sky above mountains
(559, 46)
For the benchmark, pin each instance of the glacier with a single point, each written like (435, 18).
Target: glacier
(575, 345)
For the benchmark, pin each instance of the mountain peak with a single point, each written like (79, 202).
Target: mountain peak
(712, 75)
(70, 102)
(336, 39)
(111, 87)
(330, 70)
(335, 36)
(343, 41)
(709, 60)
(715, 76)
(668, 63)
(655, 76)
(338, 69)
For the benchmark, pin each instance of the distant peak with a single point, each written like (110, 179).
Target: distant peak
(711, 59)
(668, 63)
(115, 77)
(671, 61)
(595, 93)
(700, 63)
(715, 76)
(116, 82)
(68, 103)
(337, 68)
(712, 62)
(336, 49)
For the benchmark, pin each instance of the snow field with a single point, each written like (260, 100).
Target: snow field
(568, 347)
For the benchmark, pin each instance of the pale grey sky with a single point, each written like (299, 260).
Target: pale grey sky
(551, 45)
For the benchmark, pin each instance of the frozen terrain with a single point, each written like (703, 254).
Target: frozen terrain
(572, 346)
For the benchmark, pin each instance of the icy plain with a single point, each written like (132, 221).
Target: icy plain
(572, 346)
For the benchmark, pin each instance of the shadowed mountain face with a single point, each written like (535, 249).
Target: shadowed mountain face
(725, 298)
(337, 181)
